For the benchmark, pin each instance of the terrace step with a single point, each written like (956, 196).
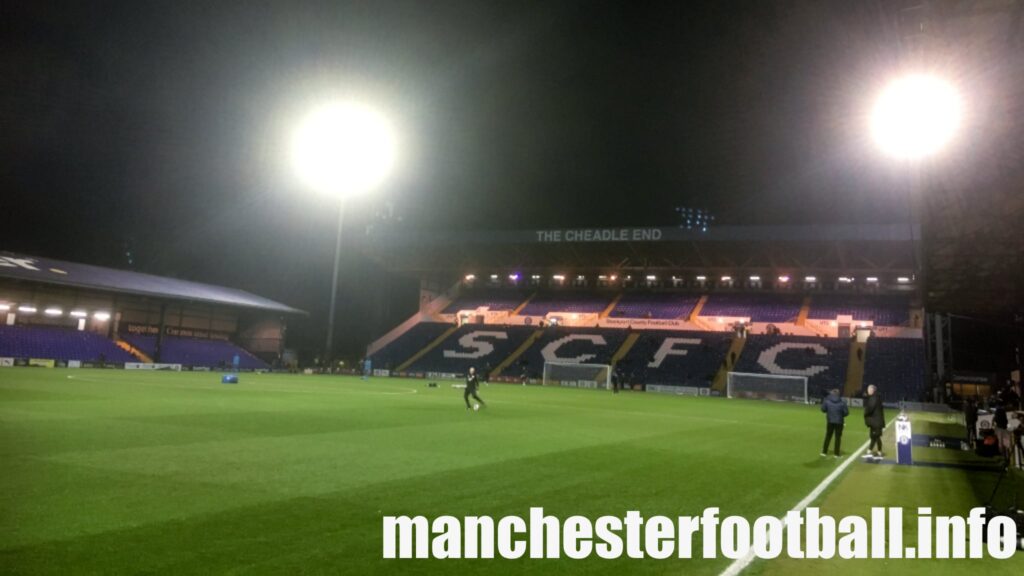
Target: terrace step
(627, 345)
(433, 344)
(517, 353)
(805, 309)
(855, 369)
(519, 308)
(142, 356)
(697, 308)
(732, 356)
(611, 306)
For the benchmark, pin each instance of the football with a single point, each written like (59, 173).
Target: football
(476, 407)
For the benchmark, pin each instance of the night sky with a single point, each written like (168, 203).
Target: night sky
(160, 129)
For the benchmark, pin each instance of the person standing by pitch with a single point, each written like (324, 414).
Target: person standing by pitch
(836, 411)
(874, 419)
(472, 383)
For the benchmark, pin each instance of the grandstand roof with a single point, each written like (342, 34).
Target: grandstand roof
(47, 271)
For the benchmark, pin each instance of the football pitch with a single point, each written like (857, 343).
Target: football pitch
(122, 472)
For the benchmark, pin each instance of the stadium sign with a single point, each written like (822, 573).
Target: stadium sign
(600, 235)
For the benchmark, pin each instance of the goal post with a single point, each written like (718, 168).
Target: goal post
(578, 375)
(767, 387)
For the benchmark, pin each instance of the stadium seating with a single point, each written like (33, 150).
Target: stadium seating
(59, 344)
(567, 301)
(697, 367)
(408, 344)
(492, 299)
(882, 310)
(195, 352)
(897, 366)
(757, 307)
(563, 344)
(822, 360)
(661, 305)
(480, 346)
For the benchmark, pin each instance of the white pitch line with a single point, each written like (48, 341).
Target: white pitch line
(740, 564)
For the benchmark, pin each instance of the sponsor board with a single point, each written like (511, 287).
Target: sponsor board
(646, 323)
(74, 363)
(6, 362)
(381, 372)
(41, 362)
(151, 366)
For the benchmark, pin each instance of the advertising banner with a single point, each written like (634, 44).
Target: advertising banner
(41, 362)
(150, 366)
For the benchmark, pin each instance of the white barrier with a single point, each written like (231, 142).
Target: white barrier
(6, 362)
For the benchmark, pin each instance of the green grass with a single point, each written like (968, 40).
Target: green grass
(107, 472)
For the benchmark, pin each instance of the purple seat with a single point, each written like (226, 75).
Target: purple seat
(757, 307)
(690, 359)
(824, 360)
(882, 310)
(897, 366)
(567, 301)
(661, 305)
(59, 344)
(493, 299)
(196, 352)
(408, 344)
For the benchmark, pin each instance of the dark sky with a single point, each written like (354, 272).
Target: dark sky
(162, 127)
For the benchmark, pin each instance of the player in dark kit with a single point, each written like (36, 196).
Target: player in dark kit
(472, 383)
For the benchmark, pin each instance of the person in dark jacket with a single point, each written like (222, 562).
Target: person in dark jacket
(874, 419)
(836, 411)
(971, 420)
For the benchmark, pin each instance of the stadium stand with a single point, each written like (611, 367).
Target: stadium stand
(897, 366)
(659, 305)
(822, 360)
(196, 352)
(496, 300)
(580, 345)
(567, 301)
(408, 344)
(673, 358)
(480, 346)
(61, 344)
(882, 310)
(757, 307)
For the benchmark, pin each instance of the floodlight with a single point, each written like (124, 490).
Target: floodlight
(101, 316)
(726, 278)
(343, 149)
(783, 279)
(701, 278)
(53, 311)
(916, 116)
(78, 313)
(470, 277)
(903, 280)
(810, 278)
(27, 309)
(5, 307)
(755, 278)
(652, 277)
(872, 279)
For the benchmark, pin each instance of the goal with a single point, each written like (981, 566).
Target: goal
(578, 375)
(767, 387)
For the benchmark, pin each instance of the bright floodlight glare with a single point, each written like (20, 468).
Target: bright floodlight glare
(343, 149)
(916, 116)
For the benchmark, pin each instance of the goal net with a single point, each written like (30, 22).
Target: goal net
(767, 387)
(578, 375)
